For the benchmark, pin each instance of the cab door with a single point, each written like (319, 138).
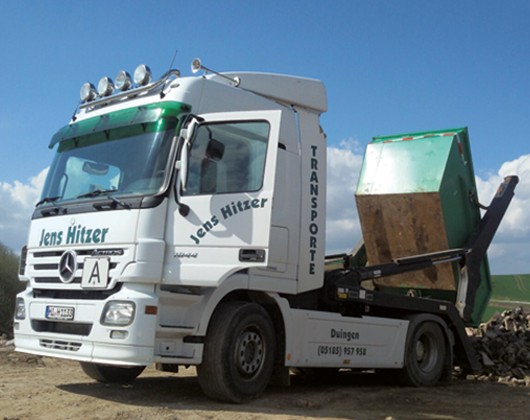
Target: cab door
(229, 190)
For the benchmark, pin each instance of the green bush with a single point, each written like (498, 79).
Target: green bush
(9, 287)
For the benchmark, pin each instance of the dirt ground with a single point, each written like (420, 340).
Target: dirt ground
(45, 388)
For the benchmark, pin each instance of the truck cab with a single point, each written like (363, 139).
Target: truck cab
(164, 199)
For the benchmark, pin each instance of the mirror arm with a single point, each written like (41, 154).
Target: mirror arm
(183, 208)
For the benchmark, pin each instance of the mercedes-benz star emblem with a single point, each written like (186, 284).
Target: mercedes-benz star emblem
(67, 266)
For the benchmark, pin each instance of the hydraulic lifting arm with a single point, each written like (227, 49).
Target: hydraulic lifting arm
(349, 289)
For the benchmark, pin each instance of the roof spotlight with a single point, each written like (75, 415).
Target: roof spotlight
(123, 81)
(87, 92)
(196, 65)
(105, 86)
(142, 75)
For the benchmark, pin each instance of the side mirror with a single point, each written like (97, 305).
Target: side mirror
(215, 150)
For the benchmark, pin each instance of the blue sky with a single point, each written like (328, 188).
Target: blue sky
(388, 66)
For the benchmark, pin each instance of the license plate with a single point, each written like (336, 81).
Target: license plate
(60, 313)
(95, 273)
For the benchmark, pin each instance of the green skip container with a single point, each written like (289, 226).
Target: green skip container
(416, 195)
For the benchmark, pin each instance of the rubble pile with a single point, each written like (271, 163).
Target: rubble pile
(503, 345)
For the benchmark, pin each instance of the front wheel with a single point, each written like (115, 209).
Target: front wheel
(238, 355)
(110, 373)
(425, 356)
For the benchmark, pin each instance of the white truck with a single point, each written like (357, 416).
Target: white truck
(182, 222)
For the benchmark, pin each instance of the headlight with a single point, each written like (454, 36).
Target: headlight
(118, 313)
(20, 309)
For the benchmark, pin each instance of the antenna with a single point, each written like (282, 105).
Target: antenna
(169, 72)
(172, 61)
(196, 65)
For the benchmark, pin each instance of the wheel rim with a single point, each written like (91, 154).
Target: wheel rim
(250, 353)
(426, 352)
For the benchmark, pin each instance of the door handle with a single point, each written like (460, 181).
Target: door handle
(252, 255)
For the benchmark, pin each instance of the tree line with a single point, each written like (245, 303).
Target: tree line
(9, 287)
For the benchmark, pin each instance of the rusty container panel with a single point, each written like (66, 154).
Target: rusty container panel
(405, 225)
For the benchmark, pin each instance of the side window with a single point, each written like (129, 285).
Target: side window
(228, 158)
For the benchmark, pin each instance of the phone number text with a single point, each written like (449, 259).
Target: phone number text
(324, 350)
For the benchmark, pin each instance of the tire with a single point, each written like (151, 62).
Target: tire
(109, 373)
(238, 354)
(425, 356)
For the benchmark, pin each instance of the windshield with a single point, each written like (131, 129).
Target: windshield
(120, 162)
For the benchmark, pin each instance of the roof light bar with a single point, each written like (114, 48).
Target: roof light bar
(125, 86)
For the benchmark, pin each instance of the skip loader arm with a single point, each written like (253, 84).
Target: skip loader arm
(481, 239)
(349, 289)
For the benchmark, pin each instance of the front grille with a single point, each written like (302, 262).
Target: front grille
(75, 294)
(56, 280)
(46, 254)
(60, 345)
(44, 265)
(55, 267)
(61, 327)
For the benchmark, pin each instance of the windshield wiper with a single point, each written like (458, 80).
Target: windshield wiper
(48, 200)
(99, 192)
(95, 193)
(46, 211)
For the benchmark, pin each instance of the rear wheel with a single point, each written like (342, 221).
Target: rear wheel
(110, 373)
(425, 355)
(238, 355)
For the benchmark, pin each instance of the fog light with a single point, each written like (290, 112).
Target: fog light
(20, 309)
(142, 75)
(119, 313)
(105, 86)
(119, 335)
(123, 81)
(87, 92)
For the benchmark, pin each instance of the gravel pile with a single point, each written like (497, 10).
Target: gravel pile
(503, 345)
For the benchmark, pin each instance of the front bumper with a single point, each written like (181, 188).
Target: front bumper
(84, 338)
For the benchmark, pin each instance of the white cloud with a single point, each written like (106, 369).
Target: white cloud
(510, 251)
(342, 227)
(17, 201)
